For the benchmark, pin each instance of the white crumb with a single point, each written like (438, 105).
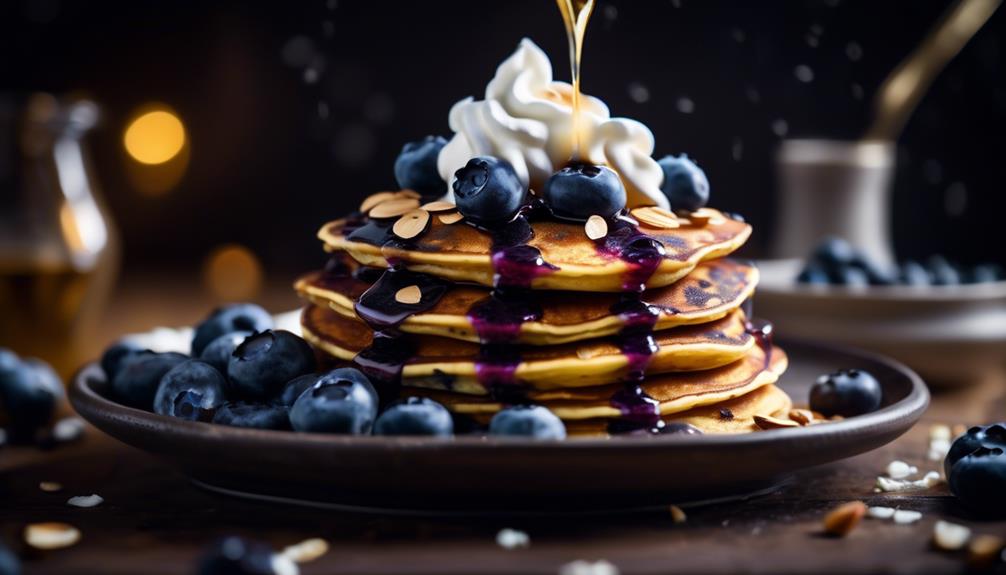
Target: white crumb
(512, 538)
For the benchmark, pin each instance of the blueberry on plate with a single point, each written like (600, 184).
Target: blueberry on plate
(685, 184)
(847, 392)
(813, 274)
(848, 275)
(978, 479)
(833, 252)
(112, 358)
(227, 319)
(527, 421)
(341, 401)
(30, 391)
(416, 167)
(190, 390)
(264, 362)
(875, 275)
(295, 387)
(415, 416)
(218, 352)
(943, 272)
(579, 191)
(238, 556)
(988, 436)
(9, 562)
(488, 191)
(912, 273)
(986, 273)
(254, 415)
(136, 382)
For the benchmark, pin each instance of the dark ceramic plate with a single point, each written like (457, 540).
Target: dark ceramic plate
(479, 475)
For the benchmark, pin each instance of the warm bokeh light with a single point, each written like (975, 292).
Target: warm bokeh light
(155, 137)
(231, 272)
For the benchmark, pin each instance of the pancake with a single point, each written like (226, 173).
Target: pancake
(464, 367)
(674, 393)
(710, 292)
(571, 260)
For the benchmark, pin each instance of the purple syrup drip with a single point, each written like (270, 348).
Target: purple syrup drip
(762, 331)
(499, 317)
(496, 369)
(518, 266)
(639, 410)
(641, 252)
(379, 308)
(383, 360)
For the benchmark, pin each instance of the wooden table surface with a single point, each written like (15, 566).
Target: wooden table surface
(154, 521)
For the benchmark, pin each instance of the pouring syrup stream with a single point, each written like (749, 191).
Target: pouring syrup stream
(575, 14)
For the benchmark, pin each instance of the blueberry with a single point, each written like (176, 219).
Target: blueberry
(487, 191)
(848, 276)
(9, 361)
(256, 415)
(238, 556)
(218, 352)
(912, 273)
(579, 191)
(342, 401)
(227, 319)
(685, 184)
(9, 563)
(847, 392)
(978, 479)
(416, 166)
(986, 273)
(814, 274)
(190, 390)
(136, 382)
(293, 389)
(988, 436)
(527, 421)
(942, 272)
(415, 416)
(111, 360)
(833, 252)
(30, 392)
(875, 275)
(264, 362)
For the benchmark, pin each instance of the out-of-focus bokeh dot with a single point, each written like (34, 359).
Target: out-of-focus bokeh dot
(231, 272)
(157, 145)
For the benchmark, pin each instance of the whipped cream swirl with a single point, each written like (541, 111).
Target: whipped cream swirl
(526, 118)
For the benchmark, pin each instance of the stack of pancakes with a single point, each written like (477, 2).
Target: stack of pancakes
(606, 336)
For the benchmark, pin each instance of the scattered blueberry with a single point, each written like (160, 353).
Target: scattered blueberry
(293, 389)
(988, 436)
(978, 480)
(488, 191)
(238, 556)
(416, 166)
(685, 184)
(9, 563)
(986, 273)
(913, 274)
(942, 272)
(415, 416)
(847, 392)
(218, 352)
(8, 361)
(814, 274)
(113, 357)
(30, 391)
(342, 401)
(834, 252)
(527, 421)
(136, 382)
(227, 319)
(190, 390)
(679, 428)
(256, 415)
(849, 276)
(264, 362)
(579, 191)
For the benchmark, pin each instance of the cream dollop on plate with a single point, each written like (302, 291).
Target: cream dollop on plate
(526, 118)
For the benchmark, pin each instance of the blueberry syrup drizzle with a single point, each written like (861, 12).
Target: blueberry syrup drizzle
(642, 253)
(761, 330)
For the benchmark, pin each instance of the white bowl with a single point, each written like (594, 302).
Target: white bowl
(951, 335)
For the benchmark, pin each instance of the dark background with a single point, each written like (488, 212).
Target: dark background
(274, 155)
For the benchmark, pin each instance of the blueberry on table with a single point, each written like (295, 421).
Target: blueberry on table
(813, 274)
(264, 362)
(228, 319)
(415, 416)
(136, 382)
(295, 387)
(986, 273)
(416, 167)
(341, 401)
(848, 275)
(685, 184)
(527, 421)
(253, 415)
(579, 191)
(190, 390)
(30, 391)
(112, 358)
(943, 273)
(988, 436)
(978, 479)
(218, 352)
(238, 556)
(912, 273)
(488, 191)
(875, 275)
(847, 392)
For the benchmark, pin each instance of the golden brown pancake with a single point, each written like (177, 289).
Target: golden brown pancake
(443, 363)
(708, 293)
(461, 252)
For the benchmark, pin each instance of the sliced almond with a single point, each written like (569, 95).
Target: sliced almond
(439, 206)
(85, 501)
(451, 218)
(51, 535)
(984, 550)
(409, 295)
(411, 224)
(802, 416)
(701, 216)
(840, 521)
(50, 486)
(950, 536)
(407, 193)
(373, 199)
(596, 227)
(769, 422)
(394, 208)
(307, 550)
(678, 514)
(656, 217)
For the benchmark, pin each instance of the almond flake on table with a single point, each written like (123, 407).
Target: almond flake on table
(85, 501)
(581, 567)
(900, 470)
(307, 550)
(906, 516)
(51, 535)
(940, 439)
(880, 512)
(892, 485)
(512, 538)
(950, 536)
